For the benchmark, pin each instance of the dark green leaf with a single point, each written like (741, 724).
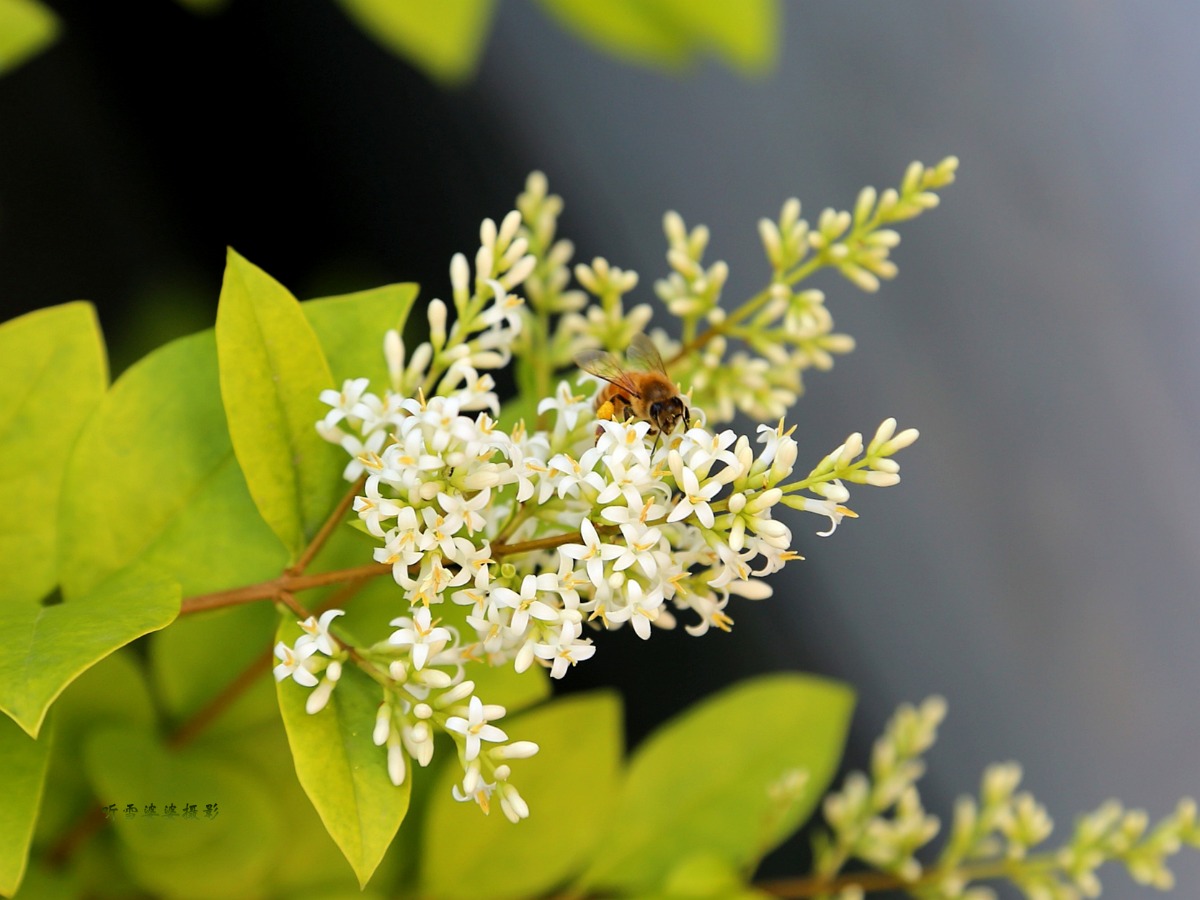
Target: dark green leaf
(22, 778)
(444, 40)
(340, 768)
(702, 784)
(579, 734)
(49, 646)
(26, 28)
(272, 370)
(53, 368)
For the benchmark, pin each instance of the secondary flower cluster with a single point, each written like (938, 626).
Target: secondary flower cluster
(880, 819)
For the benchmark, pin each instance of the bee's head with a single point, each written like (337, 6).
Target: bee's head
(665, 414)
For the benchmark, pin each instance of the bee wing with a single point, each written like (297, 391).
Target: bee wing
(643, 354)
(607, 366)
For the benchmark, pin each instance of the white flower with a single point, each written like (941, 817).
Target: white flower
(362, 453)
(619, 440)
(567, 407)
(592, 551)
(700, 449)
(374, 508)
(512, 804)
(421, 634)
(405, 546)
(825, 507)
(566, 649)
(404, 461)
(481, 792)
(475, 727)
(433, 579)
(440, 530)
(293, 663)
(397, 767)
(525, 603)
(343, 401)
(572, 475)
(695, 498)
(418, 741)
(320, 697)
(635, 509)
(639, 542)
(710, 609)
(641, 608)
(316, 632)
(459, 509)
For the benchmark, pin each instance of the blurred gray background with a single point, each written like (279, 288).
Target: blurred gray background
(1038, 564)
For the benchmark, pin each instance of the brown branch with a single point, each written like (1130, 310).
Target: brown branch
(194, 725)
(88, 823)
(275, 588)
(546, 543)
(332, 522)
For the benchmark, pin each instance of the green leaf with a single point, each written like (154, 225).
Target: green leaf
(351, 329)
(579, 734)
(672, 33)
(113, 692)
(23, 763)
(340, 768)
(702, 783)
(321, 869)
(53, 368)
(229, 854)
(188, 675)
(153, 478)
(47, 647)
(444, 40)
(204, 7)
(272, 370)
(27, 27)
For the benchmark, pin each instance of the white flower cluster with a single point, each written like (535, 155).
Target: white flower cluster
(543, 536)
(597, 522)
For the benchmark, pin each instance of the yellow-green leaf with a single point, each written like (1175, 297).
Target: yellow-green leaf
(339, 766)
(53, 367)
(22, 777)
(26, 28)
(443, 38)
(48, 646)
(579, 734)
(153, 479)
(351, 329)
(272, 371)
(706, 782)
(225, 848)
(673, 33)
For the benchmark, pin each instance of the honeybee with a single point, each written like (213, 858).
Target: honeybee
(642, 392)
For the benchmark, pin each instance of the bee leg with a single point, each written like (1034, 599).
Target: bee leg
(606, 410)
